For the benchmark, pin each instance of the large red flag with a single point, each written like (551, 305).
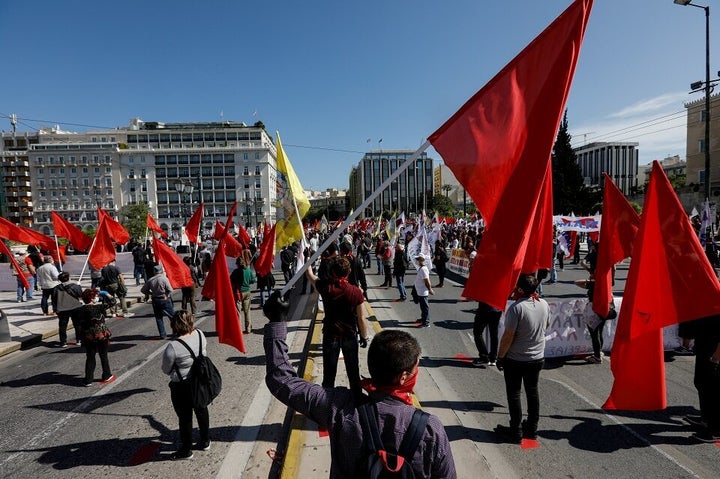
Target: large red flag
(74, 235)
(192, 229)
(152, 225)
(498, 146)
(539, 250)
(227, 323)
(11, 231)
(103, 249)
(117, 232)
(219, 230)
(670, 281)
(178, 273)
(243, 236)
(266, 253)
(233, 248)
(618, 229)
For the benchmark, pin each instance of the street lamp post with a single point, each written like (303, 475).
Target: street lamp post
(708, 88)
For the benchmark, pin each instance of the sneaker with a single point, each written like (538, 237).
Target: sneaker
(527, 432)
(480, 363)
(509, 434)
(492, 363)
(426, 324)
(62, 345)
(108, 380)
(203, 446)
(695, 420)
(87, 384)
(593, 360)
(683, 351)
(180, 455)
(706, 436)
(126, 315)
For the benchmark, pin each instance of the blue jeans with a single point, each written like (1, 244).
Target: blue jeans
(378, 260)
(424, 309)
(400, 282)
(46, 293)
(21, 289)
(139, 272)
(162, 307)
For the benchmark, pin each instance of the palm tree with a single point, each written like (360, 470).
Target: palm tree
(446, 189)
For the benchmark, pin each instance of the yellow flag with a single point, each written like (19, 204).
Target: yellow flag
(289, 228)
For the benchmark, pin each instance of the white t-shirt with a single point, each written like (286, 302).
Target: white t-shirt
(420, 286)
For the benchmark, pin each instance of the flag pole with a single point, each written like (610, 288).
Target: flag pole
(57, 248)
(82, 272)
(351, 218)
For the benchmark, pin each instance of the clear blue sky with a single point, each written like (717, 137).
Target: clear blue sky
(329, 75)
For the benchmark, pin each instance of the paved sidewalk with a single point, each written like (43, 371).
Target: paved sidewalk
(29, 326)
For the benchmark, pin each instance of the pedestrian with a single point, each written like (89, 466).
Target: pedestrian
(379, 249)
(113, 282)
(356, 277)
(423, 288)
(177, 362)
(95, 334)
(287, 261)
(138, 255)
(36, 258)
(393, 359)
(241, 280)
(400, 266)
(387, 263)
(159, 289)
(188, 292)
(47, 276)
(344, 320)
(27, 270)
(521, 356)
(95, 277)
(265, 283)
(488, 317)
(440, 258)
(66, 298)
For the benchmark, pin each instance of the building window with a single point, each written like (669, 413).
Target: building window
(701, 146)
(246, 170)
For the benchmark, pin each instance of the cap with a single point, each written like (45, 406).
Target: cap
(419, 256)
(158, 268)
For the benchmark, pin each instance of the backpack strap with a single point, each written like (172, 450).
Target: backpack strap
(192, 354)
(414, 434)
(369, 424)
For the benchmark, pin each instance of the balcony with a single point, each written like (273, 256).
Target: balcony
(20, 184)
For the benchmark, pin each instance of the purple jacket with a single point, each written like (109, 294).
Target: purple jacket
(334, 409)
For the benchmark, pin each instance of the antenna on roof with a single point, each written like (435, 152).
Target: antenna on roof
(13, 122)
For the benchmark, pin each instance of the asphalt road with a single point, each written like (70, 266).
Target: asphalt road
(55, 428)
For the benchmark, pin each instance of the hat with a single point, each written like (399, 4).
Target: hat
(420, 256)
(158, 269)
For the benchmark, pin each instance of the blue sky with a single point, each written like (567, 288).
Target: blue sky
(331, 75)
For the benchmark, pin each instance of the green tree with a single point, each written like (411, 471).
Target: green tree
(447, 189)
(567, 178)
(133, 218)
(443, 205)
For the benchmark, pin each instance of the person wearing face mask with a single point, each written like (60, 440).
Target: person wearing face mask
(393, 359)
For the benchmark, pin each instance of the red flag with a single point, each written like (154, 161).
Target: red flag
(11, 231)
(4, 249)
(266, 253)
(74, 235)
(670, 280)
(219, 230)
(177, 272)
(227, 323)
(618, 229)
(210, 287)
(539, 251)
(117, 232)
(192, 229)
(103, 249)
(244, 237)
(152, 224)
(498, 146)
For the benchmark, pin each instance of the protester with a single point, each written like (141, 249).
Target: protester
(387, 263)
(114, 283)
(265, 283)
(91, 319)
(379, 250)
(66, 298)
(344, 319)
(28, 271)
(138, 255)
(440, 258)
(241, 279)
(356, 277)
(400, 266)
(423, 288)
(188, 292)
(521, 356)
(36, 258)
(176, 362)
(393, 360)
(47, 276)
(160, 289)
(486, 317)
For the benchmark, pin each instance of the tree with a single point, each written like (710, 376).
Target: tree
(569, 193)
(443, 205)
(135, 219)
(446, 189)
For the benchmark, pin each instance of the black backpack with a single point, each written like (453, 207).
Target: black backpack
(382, 463)
(204, 378)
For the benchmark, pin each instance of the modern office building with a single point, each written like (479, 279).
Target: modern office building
(411, 192)
(618, 160)
(173, 167)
